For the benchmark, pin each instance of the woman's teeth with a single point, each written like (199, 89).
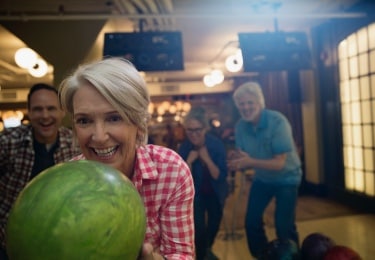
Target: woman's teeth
(106, 152)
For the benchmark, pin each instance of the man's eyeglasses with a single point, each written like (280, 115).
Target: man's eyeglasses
(194, 130)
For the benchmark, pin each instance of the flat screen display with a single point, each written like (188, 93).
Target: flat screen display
(148, 51)
(274, 51)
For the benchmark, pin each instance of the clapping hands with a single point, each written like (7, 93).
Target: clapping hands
(238, 159)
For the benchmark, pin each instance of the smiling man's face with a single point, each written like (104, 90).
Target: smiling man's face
(45, 115)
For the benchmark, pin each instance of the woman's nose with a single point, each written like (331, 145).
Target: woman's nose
(100, 133)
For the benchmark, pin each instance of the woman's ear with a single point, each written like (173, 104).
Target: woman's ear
(140, 137)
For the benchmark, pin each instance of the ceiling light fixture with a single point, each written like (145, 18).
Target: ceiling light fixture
(39, 69)
(213, 78)
(208, 80)
(217, 76)
(234, 62)
(25, 58)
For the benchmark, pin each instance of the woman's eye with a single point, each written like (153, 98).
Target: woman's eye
(115, 118)
(82, 121)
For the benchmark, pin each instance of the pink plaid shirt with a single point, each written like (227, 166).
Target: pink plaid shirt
(166, 186)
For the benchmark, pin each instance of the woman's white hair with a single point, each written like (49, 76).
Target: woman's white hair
(252, 88)
(121, 85)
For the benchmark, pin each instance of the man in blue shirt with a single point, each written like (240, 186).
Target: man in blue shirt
(264, 142)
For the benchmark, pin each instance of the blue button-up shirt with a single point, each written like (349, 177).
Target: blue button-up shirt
(271, 136)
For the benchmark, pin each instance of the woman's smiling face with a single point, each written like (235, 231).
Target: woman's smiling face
(102, 132)
(195, 132)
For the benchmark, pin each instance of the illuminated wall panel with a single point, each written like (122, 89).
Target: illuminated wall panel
(357, 96)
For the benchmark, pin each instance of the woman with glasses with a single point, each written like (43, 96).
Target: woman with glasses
(205, 155)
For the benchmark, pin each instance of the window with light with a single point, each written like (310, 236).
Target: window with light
(356, 56)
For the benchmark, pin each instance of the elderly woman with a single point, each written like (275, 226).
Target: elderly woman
(108, 101)
(205, 154)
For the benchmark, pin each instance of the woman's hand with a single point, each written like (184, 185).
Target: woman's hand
(147, 253)
(193, 155)
(203, 154)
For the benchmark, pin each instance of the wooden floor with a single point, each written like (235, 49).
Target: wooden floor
(356, 231)
(344, 225)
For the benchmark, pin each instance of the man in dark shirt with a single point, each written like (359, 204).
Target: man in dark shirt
(27, 150)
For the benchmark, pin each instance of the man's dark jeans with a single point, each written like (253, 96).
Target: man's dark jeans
(260, 196)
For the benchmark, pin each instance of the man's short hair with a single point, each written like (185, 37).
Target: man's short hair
(37, 87)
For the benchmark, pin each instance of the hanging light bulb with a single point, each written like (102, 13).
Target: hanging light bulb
(179, 105)
(165, 105)
(25, 58)
(186, 107)
(172, 109)
(159, 119)
(39, 69)
(177, 118)
(160, 110)
(12, 118)
(151, 107)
